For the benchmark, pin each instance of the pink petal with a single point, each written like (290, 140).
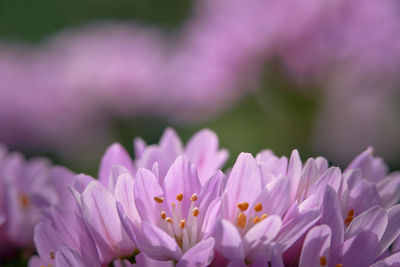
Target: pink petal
(316, 245)
(67, 257)
(244, 183)
(389, 189)
(145, 189)
(228, 240)
(210, 191)
(200, 254)
(181, 178)
(308, 176)
(363, 196)
(142, 260)
(101, 215)
(202, 150)
(47, 241)
(332, 177)
(294, 172)
(392, 231)
(261, 234)
(171, 144)
(331, 215)
(375, 220)
(296, 227)
(274, 197)
(124, 194)
(360, 250)
(164, 247)
(114, 155)
(390, 261)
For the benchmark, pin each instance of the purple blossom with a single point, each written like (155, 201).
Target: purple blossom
(362, 242)
(202, 150)
(176, 217)
(63, 239)
(268, 210)
(26, 187)
(117, 176)
(257, 221)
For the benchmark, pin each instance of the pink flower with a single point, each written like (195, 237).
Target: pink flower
(175, 217)
(27, 187)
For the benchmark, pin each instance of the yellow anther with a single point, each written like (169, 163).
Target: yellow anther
(322, 261)
(173, 205)
(163, 215)
(196, 212)
(264, 216)
(42, 265)
(349, 218)
(256, 220)
(159, 199)
(169, 220)
(179, 197)
(258, 207)
(339, 265)
(193, 197)
(350, 213)
(24, 201)
(52, 256)
(182, 223)
(243, 206)
(241, 220)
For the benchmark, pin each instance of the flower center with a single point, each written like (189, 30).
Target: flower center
(182, 227)
(241, 219)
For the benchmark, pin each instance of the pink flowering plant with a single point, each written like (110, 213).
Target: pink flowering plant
(172, 205)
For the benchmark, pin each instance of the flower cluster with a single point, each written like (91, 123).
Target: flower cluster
(173, 206)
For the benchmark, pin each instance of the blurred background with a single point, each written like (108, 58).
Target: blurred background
(319, 76)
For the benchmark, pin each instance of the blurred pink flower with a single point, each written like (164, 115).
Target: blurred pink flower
(76, 81)
(27, 187)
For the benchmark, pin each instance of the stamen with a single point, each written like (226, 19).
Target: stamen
(42, 265)
(350, 213)
(193, 197)
(243, 206)
(24, 201)
(241, 220)
(52, 256)
(163, 215)
(258, 207)
(168, 219)
(349, 218)
(173, 205)
(159, 199)
(256, 220)
(179, 197)
(339, 265)
(196, 212)
(264, 216)
(322, 261)
(182, 223)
